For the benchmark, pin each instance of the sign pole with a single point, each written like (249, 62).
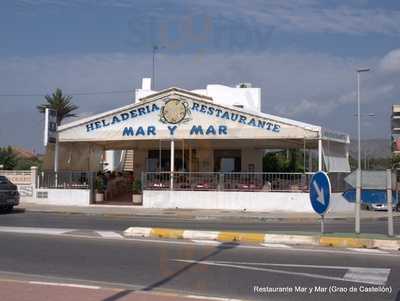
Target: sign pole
(322, 224)
(172, 164)
(56, 154)
(389, 201)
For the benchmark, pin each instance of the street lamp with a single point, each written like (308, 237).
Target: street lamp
(358, 183)
(153, 76)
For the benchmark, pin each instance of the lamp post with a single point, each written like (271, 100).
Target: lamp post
(358, 183)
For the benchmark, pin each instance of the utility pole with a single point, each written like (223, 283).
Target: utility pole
(153, 76)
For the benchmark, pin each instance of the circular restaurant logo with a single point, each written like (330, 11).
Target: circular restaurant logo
(175, 111)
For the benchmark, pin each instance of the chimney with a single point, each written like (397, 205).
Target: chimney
(146, 83)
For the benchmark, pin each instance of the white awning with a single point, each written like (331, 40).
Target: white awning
(335, 156)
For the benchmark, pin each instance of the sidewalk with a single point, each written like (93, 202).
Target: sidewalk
(198, 214)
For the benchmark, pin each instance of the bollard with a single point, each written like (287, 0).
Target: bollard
(389, 201)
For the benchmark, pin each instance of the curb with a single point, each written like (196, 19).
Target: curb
(265, 238)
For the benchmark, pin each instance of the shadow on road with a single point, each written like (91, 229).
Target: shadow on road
(167, 279)
(13, 211)
(118, 295)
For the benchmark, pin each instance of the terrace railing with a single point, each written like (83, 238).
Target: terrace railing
(67, 180)
(237, 181)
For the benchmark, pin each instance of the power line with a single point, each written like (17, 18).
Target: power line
(71, 94)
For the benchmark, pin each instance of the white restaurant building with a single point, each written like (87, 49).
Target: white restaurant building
(198, 149)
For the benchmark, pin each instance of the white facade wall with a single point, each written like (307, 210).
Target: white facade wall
(62, 197)
(236, 200)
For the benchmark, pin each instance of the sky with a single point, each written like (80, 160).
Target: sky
(302, 54)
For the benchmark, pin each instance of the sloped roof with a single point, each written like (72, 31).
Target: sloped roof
(175, 90)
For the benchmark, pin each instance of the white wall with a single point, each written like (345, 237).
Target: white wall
(340, 204)
(249, 98)
(236, 200)
(63, 197)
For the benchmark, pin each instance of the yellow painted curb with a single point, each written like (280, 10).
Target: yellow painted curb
(166, 233)
(241, 236)
(345, 242)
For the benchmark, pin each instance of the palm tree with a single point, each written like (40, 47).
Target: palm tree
(60, 103)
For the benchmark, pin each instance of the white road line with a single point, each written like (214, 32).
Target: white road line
(354, 274)
(110, 234)
(373, 276)
(280, 246)
(34, 230)
(65, 284)
(361, 250)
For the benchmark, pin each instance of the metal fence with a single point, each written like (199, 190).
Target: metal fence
(227, 181)
(66, 180)
(237, 181)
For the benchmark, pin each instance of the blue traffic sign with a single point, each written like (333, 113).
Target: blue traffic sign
(320, 192)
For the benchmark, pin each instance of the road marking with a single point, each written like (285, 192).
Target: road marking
(65, 284)
(373, 276)
(280, 246)
(110, 234)
(353, 274)
(31, 230)
(367, 250)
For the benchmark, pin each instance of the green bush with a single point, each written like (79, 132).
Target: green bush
(99, 185)
(137, 187)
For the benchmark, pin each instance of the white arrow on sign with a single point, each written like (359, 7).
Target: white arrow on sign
(320, 193)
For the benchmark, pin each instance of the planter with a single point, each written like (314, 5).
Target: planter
(99, 197)
(137, 199)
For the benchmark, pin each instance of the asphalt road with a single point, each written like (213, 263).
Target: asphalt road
(120, 223)
(229, 271)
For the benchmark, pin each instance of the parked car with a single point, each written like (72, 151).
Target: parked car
(372, 199)
(9, 196)
(379, 206)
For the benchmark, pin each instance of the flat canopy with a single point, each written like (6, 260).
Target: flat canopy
(176, 114)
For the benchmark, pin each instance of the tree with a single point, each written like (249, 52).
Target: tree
(278, 161)
(8, 158)
(60, 103)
